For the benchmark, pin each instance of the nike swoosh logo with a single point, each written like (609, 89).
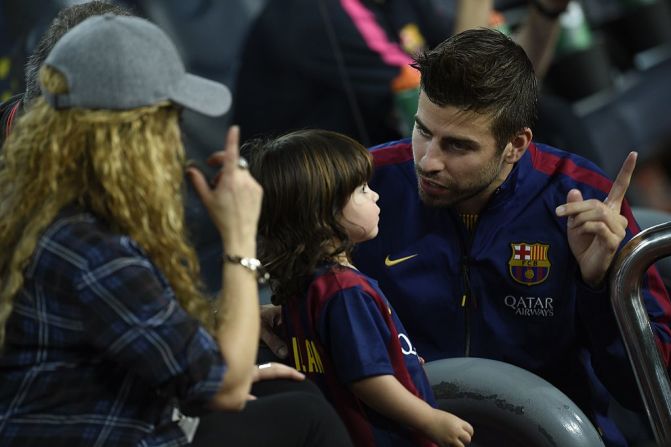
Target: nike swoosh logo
(392, 262)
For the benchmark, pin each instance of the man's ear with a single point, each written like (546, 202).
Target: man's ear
(518, 145)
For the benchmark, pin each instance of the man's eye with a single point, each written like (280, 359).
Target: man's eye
(422, 131)
(462, 146)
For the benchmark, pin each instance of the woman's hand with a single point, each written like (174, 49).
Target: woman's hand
(233, 199)
(272, 370)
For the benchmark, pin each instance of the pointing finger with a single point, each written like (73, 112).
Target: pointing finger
(231, 154)
(621, 183)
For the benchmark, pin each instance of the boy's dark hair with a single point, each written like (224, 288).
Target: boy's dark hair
(66, 19)
(484, 71)
(308, 177)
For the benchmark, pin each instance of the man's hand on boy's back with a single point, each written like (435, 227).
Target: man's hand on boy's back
(271, 321)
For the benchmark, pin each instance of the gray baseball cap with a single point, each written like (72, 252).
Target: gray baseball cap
(119, 63)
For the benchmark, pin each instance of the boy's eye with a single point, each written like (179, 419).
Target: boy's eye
(364, 187)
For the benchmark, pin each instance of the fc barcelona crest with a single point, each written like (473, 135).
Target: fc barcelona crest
(529, 263)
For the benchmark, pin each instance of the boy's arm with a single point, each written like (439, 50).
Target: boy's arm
(389, 397)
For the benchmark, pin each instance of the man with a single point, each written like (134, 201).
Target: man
(505, 251)
(494, 246)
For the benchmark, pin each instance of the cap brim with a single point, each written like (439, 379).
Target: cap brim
(202, 95)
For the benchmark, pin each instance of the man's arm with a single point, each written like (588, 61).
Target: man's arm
(538, 35)
(472, 14)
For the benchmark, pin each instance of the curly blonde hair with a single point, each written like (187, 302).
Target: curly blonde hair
(124, 166)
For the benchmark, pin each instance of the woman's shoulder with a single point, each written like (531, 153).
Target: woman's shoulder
(83, 240)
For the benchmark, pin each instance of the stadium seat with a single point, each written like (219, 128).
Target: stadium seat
(509, 406)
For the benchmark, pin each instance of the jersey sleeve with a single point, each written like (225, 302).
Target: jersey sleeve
(347, 38)
(356, 335)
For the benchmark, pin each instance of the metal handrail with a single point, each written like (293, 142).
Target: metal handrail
(652, 377)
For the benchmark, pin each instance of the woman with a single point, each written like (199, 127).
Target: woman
(106, 337)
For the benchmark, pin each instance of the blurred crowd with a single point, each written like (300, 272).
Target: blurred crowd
(606, 80)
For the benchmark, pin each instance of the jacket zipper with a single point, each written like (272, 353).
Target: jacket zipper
(465, 304)
(468, 300)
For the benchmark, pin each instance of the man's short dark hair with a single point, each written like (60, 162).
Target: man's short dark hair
(62, 23)
(482, 70)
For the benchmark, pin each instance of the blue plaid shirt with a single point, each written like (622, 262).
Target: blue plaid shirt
(98, 351)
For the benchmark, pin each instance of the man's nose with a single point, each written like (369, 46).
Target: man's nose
(432, 159)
